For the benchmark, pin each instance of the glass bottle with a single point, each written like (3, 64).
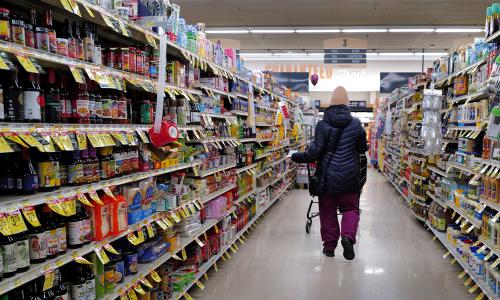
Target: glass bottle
(8, 247)
(50, 232)
(98, 104)
(14, 104)
(68, 32)
(78, 282)
(31, 96)
(37, 241)
(22, 252)
(29, 29)
(48, 172)
(81, 105)
(67, 107)
(51, 31)
(80, 48)
(30, 177)
(41, 35)
(88, 43)
(52, 99)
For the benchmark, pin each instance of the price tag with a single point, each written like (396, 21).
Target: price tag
(175, 217)
(131, 295)
(101, 254)
(205, 236)
(241, 241)
(150, 230)
(151, 40)
(77, 74)
(143, 136)
(216, 228)
(495, 218)
(473, 289)
(487, 257)
(81, 138)
(495, 264)
(461, 275)
(215, 267)
(74, 7)
(176, 257)
(187, 296)
(184, 255)
(123, 28)
(140, 236)
(31, 141)
(68, 206)
(108, 192)
(82, 260)
(84, 200)
(155, 276)
(146, 283)
(232, 249)
(4, 228)
(481, 250)
(480, 296)
(89, 11)
(110, 249)
(15, 138)
(30, 215)
(162, 225)
(93, 195)
(120, 137)
(4, 146)
(27, 64)
(3, 64)
(132, 239)
(55, 206)
(192, 208)
(446, 254)
(130, 138)
(123, 297)
(48, 282)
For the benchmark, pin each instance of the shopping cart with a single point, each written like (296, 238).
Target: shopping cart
(311, 169)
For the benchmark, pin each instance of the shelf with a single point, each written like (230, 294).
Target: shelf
(266, 107)
(248, 140)
(215, 194)
(422, 219)
(458, 257)
(264, 140)
(262, 124)
(216, 170)
(206, 266)
(437, 200)
(240, 113)
(462, 168)
(441, 172)
(466, 216)
(246, 168)
(213, 140)
(397, 188)
(260, 156)
(447, 80)
(495, 206)
(263, 188)
(214, 115)
(9, 203)
(417, 197)
(244, 197)
(490, 246)
(418, 176)
(470, 98)
(274, 163)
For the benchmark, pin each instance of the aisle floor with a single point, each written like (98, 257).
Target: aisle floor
(396, 257)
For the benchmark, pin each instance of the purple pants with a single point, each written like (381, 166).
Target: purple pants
(348, 204)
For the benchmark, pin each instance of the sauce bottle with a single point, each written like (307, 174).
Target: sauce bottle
(31, 96)
(8, 246)
(67, 107)
(75, 169)
(14, 108)
(50, 232)
(88, 43)
(22, 252)
(98, 104)
(61, 233)
(29, 29)
(68, 34)
(5, 25)
(80, 48)
(53, 105)
(78, 282)
(81, 105)
(51, 31)
(29, 177)
(89, 277)
(37, 241)
(76, 228)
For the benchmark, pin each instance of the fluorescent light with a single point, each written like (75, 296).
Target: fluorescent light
(366, 30)
(371, 54)
(396, 30)
(227, 31)
(250, 54)
(317, 30)
(315, 54)
(272, 31)
(291, 54)
(458, 30)
(396, 54)
(431, 53)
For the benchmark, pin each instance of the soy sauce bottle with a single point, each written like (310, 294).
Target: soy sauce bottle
(14, 102)
(29, 177)
(37, 241)
(8, 245)
(22, 252)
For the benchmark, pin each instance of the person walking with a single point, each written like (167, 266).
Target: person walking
(339, 139)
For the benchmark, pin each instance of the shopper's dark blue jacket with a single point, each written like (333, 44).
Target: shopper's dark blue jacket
(342, 173)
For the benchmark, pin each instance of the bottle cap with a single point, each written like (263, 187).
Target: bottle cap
(489, 12)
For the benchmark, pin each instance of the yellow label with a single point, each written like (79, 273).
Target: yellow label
(3, 65)
(31, 141)
(130, 138)
(93, 195)
(30, 215)
(131, 295)
(473, 289)
(4, 228)
(4, 146)
(81, 138)
(94, 140)
(15, 138)
(150, 230)
(206, 276)
(468, 281)
(120, 137)
(138, 288)
(175, 217)
(216, 228)
(27, 64)
(48, 282)
(187, 296)
(146, 283)
(200, 285)
(495, 264)
(90, 73)
(162, 225)
(151, 40)
(123, 28)
(89, 11)
(176, 257)
(123, 297)
(192, 208)
(140, 236)
(108, 192)
(205, 236)
(55, 206)
(481, 250)
(110, 249)
(167, 222)
(132, 239)
(101, 254)
(198, 206)
(461, 275)
(143, 136)
(480, 296)
(77, 75)
(184, 255)
(183, 213)
(107, 21)
(199, 242)
(82, 260)
(15, 222)
(68, 206)
(232, 249)
(84, 200)
(155, 276)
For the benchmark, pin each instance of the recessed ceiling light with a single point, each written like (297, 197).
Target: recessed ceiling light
(409, 30)
(272, 31)
(366, 30)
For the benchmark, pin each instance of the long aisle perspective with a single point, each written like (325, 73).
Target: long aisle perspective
(396, 257)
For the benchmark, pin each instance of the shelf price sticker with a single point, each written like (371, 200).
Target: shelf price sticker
(77, 74)
(187, 296)
(155, 276)
(184, 255)
(110, 249)
(123, 297)
(30, 215)
(140, 236)
(3, 64)
(151, 40)
(473, 289)
(108, 192)
(93, 195)
(200, 285)
(132, 239)
(131, 295)
(149, 229)
(468, 281)
(101, 254)
(15, 222)
(199, 242)
(89, 11)
(146, 283)
(82, 260)
(495, 264)
(84, 200)
(48, 282)
(27, 64)
(66, 5)
(162, 224)
(461, 275)
(4, 229)
(480, 296)
(481, 250)
(4, 146)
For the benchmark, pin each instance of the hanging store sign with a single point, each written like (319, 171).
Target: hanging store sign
(344, 56)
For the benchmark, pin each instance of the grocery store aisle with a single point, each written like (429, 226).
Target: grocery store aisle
(395, 257)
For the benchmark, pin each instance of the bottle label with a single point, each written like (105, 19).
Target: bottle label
(18, 36)
(57, 173)
(4, 30)
(114, 109)
(52, 42)
(80, 52)
(90, 289)
(30, 38)
(2, 107)
(23, 254)
(19, 184)
(92, 112)
(52, 242)
(46, 174)
(42, 40)
(9, 258)
(61, 236)
(104, 169)
(75, 173)
(32, 109)
(107, 105)
(122, 110)
(78, 291)
(67, 109)
(71, 48)
(82, 108)
(38, 246)
(62, 46)
(98, 109)
(76, 233)
(122, 220)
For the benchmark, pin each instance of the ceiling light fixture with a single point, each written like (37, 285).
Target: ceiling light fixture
(458, 30)
(227, 31)
(410, 30)
(317, 30)
(365, 30)
(396, 54)
(272, 31)
(431, 54)
(251, 54)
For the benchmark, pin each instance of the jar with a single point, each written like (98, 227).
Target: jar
(118, 60)
(139, 64)
(62, 46)
(111, 58)
(4, 24)
(132, 59)
(124, 56)
(17, 30)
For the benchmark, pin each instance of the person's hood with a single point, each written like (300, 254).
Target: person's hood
(338, 116)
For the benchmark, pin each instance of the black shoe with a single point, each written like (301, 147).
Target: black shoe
(348, 248)
(328, 253)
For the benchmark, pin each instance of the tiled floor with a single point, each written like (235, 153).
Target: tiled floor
(395, 257)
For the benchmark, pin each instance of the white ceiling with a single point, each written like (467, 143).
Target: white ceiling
(294, 13)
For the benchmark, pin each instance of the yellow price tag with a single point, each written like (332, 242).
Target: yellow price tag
(131, 295)
(192, 208)
(4, 228)
(200, 285)
(4, 146)
(468, 281)
(55, 206)
(82, 260)
(30, 215)
(132, 239)
(123, 297)
(93, 195)
(473, 289)
(146, 283)
(155, 276)
(184, 255)
(77, 75)
(150, 231)
(216, 228)
(108, 192)
(151, 40)
(84, 200)
(48, 282)
(68, 206)
(461, 275)
(138, 288)
(140, 236)
(101, 254)
(480, 296)
(110, 249)
(89, 11)
(162, 225)
(187, 297)
(66, 5)
(3, 65)
(15, 138)
(215, 267)
(199, 242)
(27, 64)
(81, 138)
(206, 276)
